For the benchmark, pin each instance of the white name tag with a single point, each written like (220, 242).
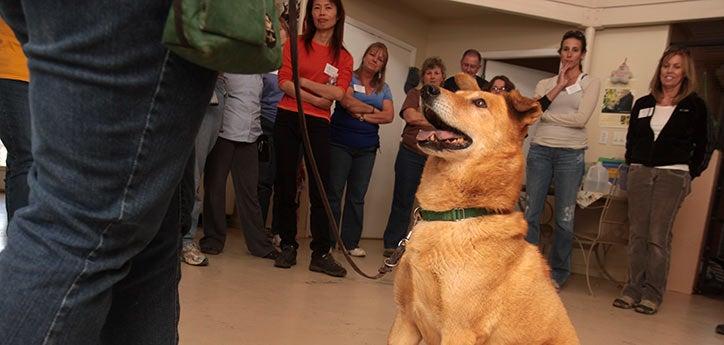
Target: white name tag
(331, 71)
(573, 88)
(646, 112)
(214, 99)
(359, 88)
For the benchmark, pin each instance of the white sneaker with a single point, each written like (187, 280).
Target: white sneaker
(358, 252)
(192, 255)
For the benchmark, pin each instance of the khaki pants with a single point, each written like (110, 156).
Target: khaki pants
(654, 198)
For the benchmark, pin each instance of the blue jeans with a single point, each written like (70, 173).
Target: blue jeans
(353, 168)
(565, 168)
(408, 171)
(205, 139)
(15, 135)
(267, 170)
(93, 259)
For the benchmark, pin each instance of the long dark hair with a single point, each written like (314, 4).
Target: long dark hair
(378, 80)
(580, 36)
(337, 36)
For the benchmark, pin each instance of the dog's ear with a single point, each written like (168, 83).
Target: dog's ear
(466, 82)
(523, 109)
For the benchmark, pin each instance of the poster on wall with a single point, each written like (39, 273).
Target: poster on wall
(616, 108)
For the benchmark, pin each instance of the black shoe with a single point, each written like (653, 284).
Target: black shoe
(210, 250)
(327, 265)
(287, 258)
(720, 329)
(273, 255)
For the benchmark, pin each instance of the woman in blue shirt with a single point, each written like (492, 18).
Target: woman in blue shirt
(354, 139)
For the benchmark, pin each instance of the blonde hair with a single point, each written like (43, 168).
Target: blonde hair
(378, 80)
(689, 82)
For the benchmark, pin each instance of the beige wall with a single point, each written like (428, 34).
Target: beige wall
(642, 47)
(448, 39)
(396, 20)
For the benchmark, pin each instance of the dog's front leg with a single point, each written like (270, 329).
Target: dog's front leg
(404, 331)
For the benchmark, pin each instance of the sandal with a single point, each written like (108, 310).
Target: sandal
(624, 302)
(646, 307)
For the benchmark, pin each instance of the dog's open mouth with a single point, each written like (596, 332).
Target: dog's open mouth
(444, 137)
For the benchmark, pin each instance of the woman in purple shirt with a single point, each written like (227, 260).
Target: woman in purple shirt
(354, 141)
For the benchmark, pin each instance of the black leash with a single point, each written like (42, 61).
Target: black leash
(391, 262)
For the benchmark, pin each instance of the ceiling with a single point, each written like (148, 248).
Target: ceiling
(446, 9)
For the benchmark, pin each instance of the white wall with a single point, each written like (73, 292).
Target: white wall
(394, 19)
(449, 38)
(642, 47)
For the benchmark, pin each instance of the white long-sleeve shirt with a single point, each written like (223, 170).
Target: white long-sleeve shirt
(563, 124)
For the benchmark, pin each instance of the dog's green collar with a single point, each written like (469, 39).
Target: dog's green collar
(456, 214)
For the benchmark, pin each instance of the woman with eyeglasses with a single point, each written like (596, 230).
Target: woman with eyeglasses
(500, 84)
(667, 145)
(557, 150)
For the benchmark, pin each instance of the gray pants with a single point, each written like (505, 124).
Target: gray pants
(654, 198)
(242, 160)
(205, 139)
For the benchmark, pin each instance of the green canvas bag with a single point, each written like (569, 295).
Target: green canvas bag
(236, 36)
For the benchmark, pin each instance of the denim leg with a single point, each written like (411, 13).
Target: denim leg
(568, 168)
(205, 139)
(339, 171)
(539, 173)
(267, 170)
(133, 297)
(408, 171)
(354, 201)
(15, 135)
(113, 121)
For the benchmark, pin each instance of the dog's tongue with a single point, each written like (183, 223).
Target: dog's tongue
(440, 135)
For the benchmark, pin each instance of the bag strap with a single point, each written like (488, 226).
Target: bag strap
(178, 23)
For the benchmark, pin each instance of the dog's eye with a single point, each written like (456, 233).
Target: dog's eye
(480, 103)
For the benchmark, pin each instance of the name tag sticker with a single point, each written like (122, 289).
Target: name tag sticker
(646, 112)
(573, 88)
(359, 88)
(330, 70)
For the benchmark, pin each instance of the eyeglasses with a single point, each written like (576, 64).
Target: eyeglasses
(498, 89)
(471, 66)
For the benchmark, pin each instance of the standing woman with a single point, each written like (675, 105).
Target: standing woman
(14, 119)
(410, 159)
(325, 71)
(667, 145)
(557, 150)
(355, 139)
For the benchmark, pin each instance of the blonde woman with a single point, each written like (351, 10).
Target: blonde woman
(667, 145)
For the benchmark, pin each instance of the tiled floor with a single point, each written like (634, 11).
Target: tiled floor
(240, 299)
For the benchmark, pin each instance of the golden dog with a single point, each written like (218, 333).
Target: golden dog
(475, 280)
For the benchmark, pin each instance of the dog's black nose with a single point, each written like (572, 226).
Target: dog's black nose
(430, 91)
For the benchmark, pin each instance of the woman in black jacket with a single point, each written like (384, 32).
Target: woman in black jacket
(667, 145)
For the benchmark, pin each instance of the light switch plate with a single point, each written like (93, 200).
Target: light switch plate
(603, 138)
(619, 138)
